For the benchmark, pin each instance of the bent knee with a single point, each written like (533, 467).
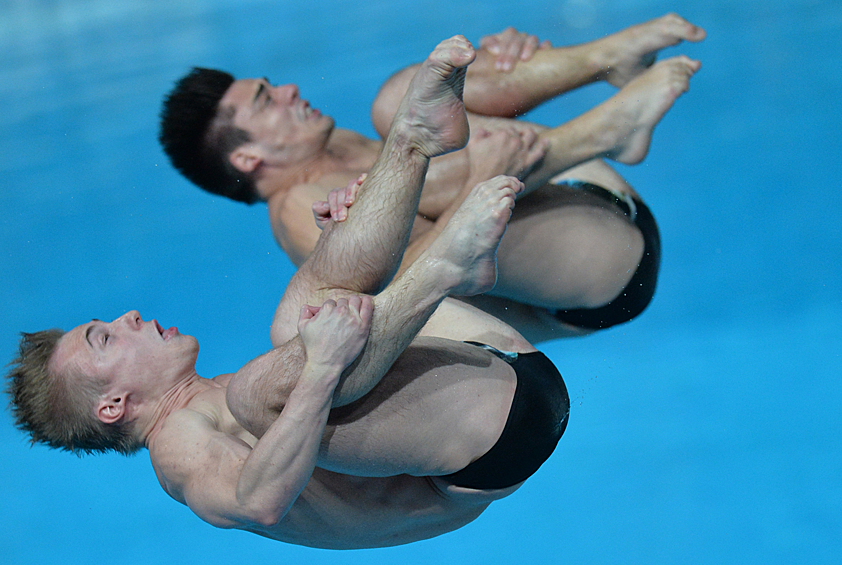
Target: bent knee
(249, 406)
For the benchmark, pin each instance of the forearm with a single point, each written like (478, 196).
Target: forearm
(400, 312)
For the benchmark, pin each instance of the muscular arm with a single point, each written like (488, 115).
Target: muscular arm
(229, 484)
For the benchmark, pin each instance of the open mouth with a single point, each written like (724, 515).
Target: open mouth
(165, 334)
(308, 111)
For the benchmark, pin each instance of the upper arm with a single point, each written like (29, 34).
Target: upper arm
(292, 222)
(200, 466)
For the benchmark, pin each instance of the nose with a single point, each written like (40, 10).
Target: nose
(288, 92)
(132, 319)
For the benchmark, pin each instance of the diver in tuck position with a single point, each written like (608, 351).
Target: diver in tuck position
(374, 420)
(582, 250)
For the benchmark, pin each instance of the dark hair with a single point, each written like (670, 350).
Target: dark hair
(58, 409)
(197, 135)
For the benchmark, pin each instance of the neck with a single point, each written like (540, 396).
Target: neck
(174, 399)
(344, 151)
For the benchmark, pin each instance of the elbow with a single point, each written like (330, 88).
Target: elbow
(264, 517)
(268, 520)
(263, 513)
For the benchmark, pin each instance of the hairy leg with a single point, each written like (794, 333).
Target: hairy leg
(461, 259)
(358, 255)
(590, 250)
(362, 253)
(620, 129)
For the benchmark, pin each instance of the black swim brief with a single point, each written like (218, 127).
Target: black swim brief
(536, 421)
(637, 294)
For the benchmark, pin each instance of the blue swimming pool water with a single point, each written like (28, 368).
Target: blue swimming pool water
(704, 432)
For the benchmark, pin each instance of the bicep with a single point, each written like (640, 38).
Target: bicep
(293, 224)
(295, 235)
(203, 471)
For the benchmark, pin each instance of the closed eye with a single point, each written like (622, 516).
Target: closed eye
(262, 96)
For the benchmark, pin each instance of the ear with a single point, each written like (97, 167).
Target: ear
(245, 159)
(111, 409)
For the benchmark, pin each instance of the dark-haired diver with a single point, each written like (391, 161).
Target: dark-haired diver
(580, 254)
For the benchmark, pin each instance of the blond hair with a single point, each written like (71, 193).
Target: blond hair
(58, 409)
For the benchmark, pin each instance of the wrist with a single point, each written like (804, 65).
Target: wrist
(317, 373)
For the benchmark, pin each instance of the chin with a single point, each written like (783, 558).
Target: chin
(193, 345)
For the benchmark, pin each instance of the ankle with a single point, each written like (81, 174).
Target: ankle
(600, 59)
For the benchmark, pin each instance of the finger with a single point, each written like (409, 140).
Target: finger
(490, 43)
(321, 213)
(321, 208)
(307, 312)
(530, 45)
(504, 48)
(353, 189)
(511, 54)
(337, 205)
(354, 302)
(528, 136)
(540, 149)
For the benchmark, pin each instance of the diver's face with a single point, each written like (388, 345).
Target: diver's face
(129, 352)
(282, 125)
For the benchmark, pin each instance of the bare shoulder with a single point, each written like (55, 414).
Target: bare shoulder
(172, 449)
(188, 441)
(291, 215)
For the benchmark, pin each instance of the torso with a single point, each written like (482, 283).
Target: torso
(341, 511)
(338, 511)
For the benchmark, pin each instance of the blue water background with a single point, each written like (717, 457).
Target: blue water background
(707, 431)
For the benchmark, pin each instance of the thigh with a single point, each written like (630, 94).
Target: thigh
(459, 321)
(566, 248)
(597, 172)
(442, 405)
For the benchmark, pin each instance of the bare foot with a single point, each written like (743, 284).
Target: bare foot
(628, 53)
(467, 247)
(631, 115)
(431, 116)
